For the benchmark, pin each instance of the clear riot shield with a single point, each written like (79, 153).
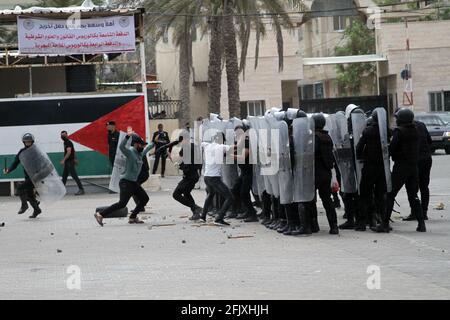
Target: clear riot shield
(383, 125)
(358, 125)
(343, 153)
(43, 174)
(264, 152)
(258, 180)
(119, 165)
(274, 155)
(285, 178)
(304, 179)
(229, 168)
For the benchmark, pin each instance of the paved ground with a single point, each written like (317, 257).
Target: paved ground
(183, 261)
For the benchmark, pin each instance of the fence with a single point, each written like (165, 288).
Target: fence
(168, 109)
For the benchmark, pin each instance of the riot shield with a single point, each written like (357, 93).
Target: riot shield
(285, 178)
(274, 154)
(43, 174)
(383, 125)
(264, 152)
(258, 180)
(229, 167)
(358, 126)
(119, 165)
(304, 179)
(343, 153)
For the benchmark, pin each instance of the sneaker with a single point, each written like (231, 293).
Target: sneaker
(221, 222)
(334, 230)
(195, 217)
(411, 217)
(35, 214)
(135, 221)
(23, 209)
(80, 192)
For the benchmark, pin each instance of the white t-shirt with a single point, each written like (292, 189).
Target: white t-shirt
(214, 158)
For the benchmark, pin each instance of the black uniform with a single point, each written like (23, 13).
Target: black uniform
(69, 165)
(113, 141)
(404, 150)
(424, 165)
(182, 192)
(323, 164)
(25, 190)
(373, 181)
(241, 188)
(160, 153)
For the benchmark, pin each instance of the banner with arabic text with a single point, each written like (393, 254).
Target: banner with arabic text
(76, 36)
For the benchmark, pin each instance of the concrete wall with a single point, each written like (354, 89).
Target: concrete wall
(430, 58)
(167, 69)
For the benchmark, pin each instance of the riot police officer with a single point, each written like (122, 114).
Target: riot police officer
(404, 150)
(26, 188)
(323, 164)
(373, 181)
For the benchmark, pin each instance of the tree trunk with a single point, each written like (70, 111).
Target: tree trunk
(215, 66)
(231, 60)
(185, 82)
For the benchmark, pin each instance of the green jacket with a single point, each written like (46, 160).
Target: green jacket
(133, 164)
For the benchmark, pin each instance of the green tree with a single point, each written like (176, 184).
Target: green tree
(359, 40)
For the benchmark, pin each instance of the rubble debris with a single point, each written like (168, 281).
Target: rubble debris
(164, 225)
(238, 237)
(440, 206)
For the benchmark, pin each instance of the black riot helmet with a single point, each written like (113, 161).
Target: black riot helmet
(404, 116)
(28, 137)
(319, 121)
(301, 114)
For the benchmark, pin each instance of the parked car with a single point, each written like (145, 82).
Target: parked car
(445, 116)
(439, 130)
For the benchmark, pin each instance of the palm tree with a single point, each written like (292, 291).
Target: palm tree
(249, 17)
(225, 17)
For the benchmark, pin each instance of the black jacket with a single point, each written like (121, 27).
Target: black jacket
(323, 150)
(113, 141)
(424, 141)
(404, 147)
(369, 146)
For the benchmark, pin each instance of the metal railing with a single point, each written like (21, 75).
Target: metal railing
(168, 109)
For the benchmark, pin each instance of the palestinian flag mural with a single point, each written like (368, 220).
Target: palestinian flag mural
(83, 117)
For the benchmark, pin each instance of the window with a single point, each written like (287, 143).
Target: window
(339, 23)
(256, 108)
(440, 101)
(312, 91)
